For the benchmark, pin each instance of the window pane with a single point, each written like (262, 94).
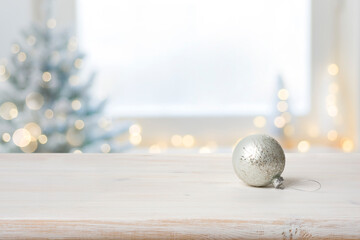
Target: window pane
(197, 57)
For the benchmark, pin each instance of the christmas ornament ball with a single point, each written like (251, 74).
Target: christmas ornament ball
(259, 160)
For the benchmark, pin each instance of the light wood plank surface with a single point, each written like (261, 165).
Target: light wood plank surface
(115, 196)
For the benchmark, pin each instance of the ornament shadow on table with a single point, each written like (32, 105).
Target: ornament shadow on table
(259, 160)
(45, 104)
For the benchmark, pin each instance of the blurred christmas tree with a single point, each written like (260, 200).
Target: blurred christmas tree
(44, 104)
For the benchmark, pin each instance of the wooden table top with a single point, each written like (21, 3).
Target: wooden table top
(123, 196)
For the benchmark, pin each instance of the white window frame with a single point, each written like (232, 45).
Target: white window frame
(332, 26)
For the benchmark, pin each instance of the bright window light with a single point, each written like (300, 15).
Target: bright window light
(197, 57)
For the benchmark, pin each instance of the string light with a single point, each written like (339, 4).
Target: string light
(21, 57)
(135, 129)
(104, 123)
(347, 145)
(31, 147)
(155, 149)
(74, 80)
(43, 139)
(2, 70)
(75, 137)
(176, 140)
(313, 131)
(259, 121)
(8, 111)
(51, 23)
(34, 101)
(76, 105)
(46, 77)
(79, 124)
(15, 48)
(21, 137)
(283, 94)
(289, 130)
(105, 148)
(6, 137)
(279, 122)
(33, 129)
(282, 106)
(209, 148)
(72, 44)
(332, 111)
(49, 114)
(188, 141)
(286, 116)
(303, 146)
(31, 40)
(332, 135)
(78, 63)
(333, 88)
(333, 69)
(135, 139)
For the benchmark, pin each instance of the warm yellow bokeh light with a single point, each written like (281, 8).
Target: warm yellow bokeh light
(331, 100)
(155, 149)
(205, 150)
(31, 40)
(105, 148)
(21, 137)
(289, 130)
(333, 69)
(282, 106)
(77, 151)
(42, 139)
(135, 129)
(283, 94)
(188, 141)
(303, 146)
(259, 121)
(72, 44)
(332, 111)
(347, 145)
(135, 139)
(313, 131)
(8, 111)
(104, 123)
(79, 124)
(78, 63)
(46, 77)
(2, 70)
(76, 104)
(74, 80)
(31, 147)
(279, 122)
(21, 57)
(15, 48)
(332, 135)
(49, 114)
(6, 137)
(333, 88)
(176, 140)
(33, 129)
(75, 137)
(51, 23)
(34, 101)
(286, 116)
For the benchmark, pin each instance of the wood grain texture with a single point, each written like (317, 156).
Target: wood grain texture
(115, 196)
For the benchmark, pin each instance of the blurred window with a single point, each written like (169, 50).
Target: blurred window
(197, 57)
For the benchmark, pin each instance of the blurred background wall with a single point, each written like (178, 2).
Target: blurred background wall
(176, 71)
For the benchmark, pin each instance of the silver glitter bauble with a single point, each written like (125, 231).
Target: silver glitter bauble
(259, 160)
